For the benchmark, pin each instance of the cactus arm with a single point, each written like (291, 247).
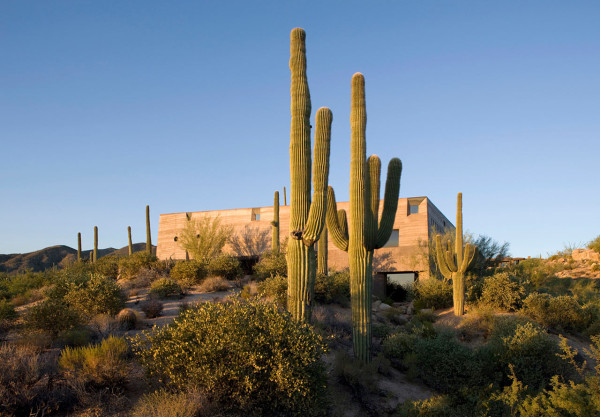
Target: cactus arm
(390, 204)
(322, 252)
(318, 208)
(459, 230)
(372, 185)
(336, 223)
(468, 257)
(441, 260)
(450, 261)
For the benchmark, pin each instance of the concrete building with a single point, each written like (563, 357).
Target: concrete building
(404, 258)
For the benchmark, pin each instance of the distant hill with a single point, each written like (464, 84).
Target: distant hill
(58, 256)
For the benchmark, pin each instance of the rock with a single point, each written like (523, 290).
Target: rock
(426, 310)
(410, 309)
(376, 305)
(384, 306)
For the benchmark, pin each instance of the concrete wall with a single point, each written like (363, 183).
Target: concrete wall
(409, 255)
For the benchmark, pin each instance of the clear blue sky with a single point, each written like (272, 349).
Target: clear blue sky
(106, 106)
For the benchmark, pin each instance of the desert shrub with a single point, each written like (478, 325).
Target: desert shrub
(77, 336)
(502, 291)
(398, 345)
(188, 273)
(53, 316)
(213, 284)
(127, 319)
(103, 325)
(225, 266)
(446, 365)
(250, 356)
(594, 244)
(165, 288)
(130, 266)
(432, 293)
(270, 264)
(397, 292)
(101, 365)
(21, 288)
(98, 295)
(529, 349)
(164, 403)
(7, 311)
(107, 266)
(274, 288)
(437, 406)
(152, 308)
(561, 313)
(360, 377)
(331, 288)
(25, 384)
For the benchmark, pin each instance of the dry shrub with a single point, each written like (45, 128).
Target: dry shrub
(103, 325)
(152, 308)
(163, 403)
(214, 284)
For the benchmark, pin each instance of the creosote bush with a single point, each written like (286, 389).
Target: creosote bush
(107, 266)
(98, 295)
(432, 293)
(188, 273)
(52, 316)
(250, 356)
(225, 266)
(165, 288)
(502, 291)
(274, 288)
(333, 288)
(130, 266)
(560, 313)
(270, 264)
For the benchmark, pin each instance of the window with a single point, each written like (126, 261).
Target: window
(255, 216)
(413, 209)
(401, 278)
(393, 240)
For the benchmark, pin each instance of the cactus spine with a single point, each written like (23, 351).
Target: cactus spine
(78, 247)
(306, 219)
(275, 224)
(366, 233)
(130, 244)
(148, 236)
(453, 265)
(322, 252)
(95, 257)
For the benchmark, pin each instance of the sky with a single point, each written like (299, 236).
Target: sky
(106, 106)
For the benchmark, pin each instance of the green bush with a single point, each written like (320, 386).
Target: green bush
(502, 291)
(107, 266)
(250, 356)
(7, 311)
(560, 313)
(271, 264)
(188, 273)
(595, 244)
(76, 336)
(399, 345)
(331, 288)
(274, 288)
(130, 266)
(98, 295)
(225, 266)
(529, 349)
(52, 315)
(165, 288)
(103, 365)
(12, 286)
(432, 293)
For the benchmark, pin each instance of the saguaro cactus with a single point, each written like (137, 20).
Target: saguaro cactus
(275, 224)
(284, 197)
(366, 233)
(322, 252)
(130, 244)
(78, 247)
(148, 236)
(306, 219)
(95, 244)
(454, 264)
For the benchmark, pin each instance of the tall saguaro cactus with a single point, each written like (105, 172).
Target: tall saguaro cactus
(306, 218)
(130, 243)
(454, 264)
(148, 236)
(275, 224)
(366, 233)
(95, 244)
(322, 252)
(78, 247)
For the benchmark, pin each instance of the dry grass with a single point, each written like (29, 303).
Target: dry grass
(214, 284)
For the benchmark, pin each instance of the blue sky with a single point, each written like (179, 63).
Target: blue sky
(108, 106)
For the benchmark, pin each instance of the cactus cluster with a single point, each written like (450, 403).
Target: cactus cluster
(307, 217)
(365, 232)
(275, 224)
(454, 263)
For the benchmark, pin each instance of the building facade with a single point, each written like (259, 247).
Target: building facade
(403, 258)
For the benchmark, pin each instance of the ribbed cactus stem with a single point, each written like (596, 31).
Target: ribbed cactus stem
(148, 235)
(78, 247)
(322, 253)
(453, 264)
(365, 232)
(284, 197)
(130, 243)
(95, 258)
(275, 224)
(307, 217)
